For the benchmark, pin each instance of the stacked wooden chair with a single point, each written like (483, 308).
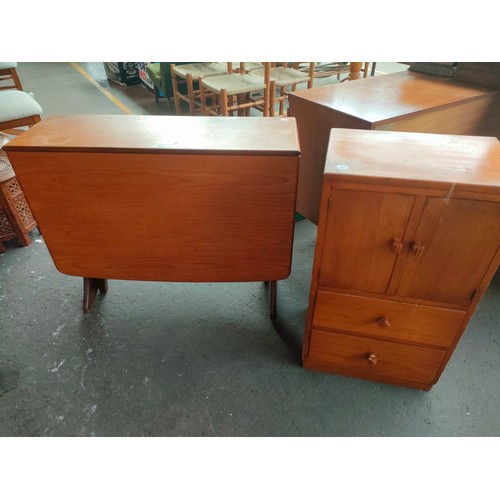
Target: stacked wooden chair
(236, 91)
(8, 73)
(282, 77)
(190, 74)
(17, 108)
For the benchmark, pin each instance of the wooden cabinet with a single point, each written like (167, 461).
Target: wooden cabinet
(405, 101)
(408, 240)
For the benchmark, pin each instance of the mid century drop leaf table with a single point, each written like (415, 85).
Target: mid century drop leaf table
(162, 198)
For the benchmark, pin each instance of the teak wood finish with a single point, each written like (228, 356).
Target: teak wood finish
(403, 101)
(408, 241)
(162, 198)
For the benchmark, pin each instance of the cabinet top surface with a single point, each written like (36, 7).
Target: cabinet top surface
(161, 134)
(380, 98)
(409, 156)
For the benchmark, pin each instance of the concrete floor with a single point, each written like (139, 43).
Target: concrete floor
(164, 359)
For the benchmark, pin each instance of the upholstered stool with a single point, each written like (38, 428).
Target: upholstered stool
(18, 109)
(16, 219)
(8, 72)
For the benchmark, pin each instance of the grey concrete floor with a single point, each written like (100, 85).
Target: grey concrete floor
(173, 359)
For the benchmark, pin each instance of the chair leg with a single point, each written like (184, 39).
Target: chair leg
(271, 104)
(203, 97)
(310, 83)
(175, 90)
(190, 89)
(16, 79)
(282, 100)
(223, 97)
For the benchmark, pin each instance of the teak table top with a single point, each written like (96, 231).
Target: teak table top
(386, 97)
(160, 134)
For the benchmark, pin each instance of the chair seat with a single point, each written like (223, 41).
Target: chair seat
(234, 83)
(197, 70)
(16, 104)
(8, 65)
(249, 66)
(283, 76)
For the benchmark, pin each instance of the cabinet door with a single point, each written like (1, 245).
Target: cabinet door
(361, 228)
(454, 243)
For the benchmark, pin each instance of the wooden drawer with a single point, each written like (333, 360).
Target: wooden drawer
(373, 359)
(387, 319)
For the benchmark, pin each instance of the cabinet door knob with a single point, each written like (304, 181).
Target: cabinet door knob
(383, 322)
(417, 248)
(397, 245)
(372, 358)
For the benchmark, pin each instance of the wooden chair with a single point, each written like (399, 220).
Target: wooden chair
(18, 109)
(282, 77)
(8, 72)
(190, 74)
(327, 69)
(235, 91)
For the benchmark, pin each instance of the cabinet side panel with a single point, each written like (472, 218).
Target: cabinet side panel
(314, 123)
(473, 117)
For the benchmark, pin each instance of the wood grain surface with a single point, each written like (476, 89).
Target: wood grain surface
(112, 205)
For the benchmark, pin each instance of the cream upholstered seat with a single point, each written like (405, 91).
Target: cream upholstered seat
(8, 72)
(18, 109)
(191, 73)
(234, 92)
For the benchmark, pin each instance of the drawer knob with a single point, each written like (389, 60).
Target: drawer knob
(383, 322)
(417, 248)
(372, 358)
(397, 245)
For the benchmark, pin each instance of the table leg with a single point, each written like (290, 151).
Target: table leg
(273, 296)
(90, 288)
(354, 70)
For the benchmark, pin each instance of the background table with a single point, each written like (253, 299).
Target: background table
(404, 101)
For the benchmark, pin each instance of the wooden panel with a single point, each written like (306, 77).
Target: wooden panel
(348, 354)
(358, 249)
(460, 238)
(391, 97)
(475, 117)
(160, 134)
(388, 319)
(410, 159)
(163, 217)
(314, 123)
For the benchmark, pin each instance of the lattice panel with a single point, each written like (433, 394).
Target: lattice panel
(12, 187)
(6, 228)
(23, 210)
